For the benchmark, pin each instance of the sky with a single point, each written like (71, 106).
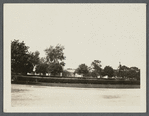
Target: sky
(111, 33)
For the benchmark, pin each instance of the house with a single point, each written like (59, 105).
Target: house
(69, 72)
(105, 77)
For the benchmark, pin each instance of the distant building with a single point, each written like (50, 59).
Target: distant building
(105, 77)
(69, 72)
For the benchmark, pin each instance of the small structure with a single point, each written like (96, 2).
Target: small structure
(70, 73)
(105, 77)
(77, 75)
(98, 76)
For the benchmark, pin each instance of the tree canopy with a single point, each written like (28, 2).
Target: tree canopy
(42, 68)
(55, 54)
(23, 61)
(54, 58)
(82, 70)
(96, 66)
(20, 58)
(108, 70)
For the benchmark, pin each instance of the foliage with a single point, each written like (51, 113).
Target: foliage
(66, 73)
(54, 59)
(42, 60)
(42, 68)
(135, 69)
(124, 68)
(55, 54)
(96, 66)
(138, 75)
(22, 62)
(102, 73)
(94, 73)
(55, 68)
(108, 71)
(20, 59)
(122, 71)
(82, 70)
(133, 74)
(34, 58)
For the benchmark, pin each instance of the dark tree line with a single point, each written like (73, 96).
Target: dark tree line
(95, 70)
(23, 61)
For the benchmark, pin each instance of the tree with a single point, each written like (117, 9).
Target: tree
(124, 68)
(66, 73)
(138, 75)
(55, 54)
(42, 60)
(108, 71)
(134, 73)
(124, 71)
(102, 73)
(42, 68)
(34, 58)
(135, 69)
(20, 58)
(96, 66)
(82, 69)
(55, 57)
(55, 68)
(94, 73)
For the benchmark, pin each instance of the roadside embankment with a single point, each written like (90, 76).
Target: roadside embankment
(76, 82)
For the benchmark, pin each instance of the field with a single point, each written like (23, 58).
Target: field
(72, 97)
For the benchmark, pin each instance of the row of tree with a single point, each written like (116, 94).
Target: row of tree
(23, 61)
(95, 70)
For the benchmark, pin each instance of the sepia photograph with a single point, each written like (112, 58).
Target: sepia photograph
(84, 57)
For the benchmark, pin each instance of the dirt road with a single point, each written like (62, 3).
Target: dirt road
(71, 97)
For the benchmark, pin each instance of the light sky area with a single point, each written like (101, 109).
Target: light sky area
(111, 33)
